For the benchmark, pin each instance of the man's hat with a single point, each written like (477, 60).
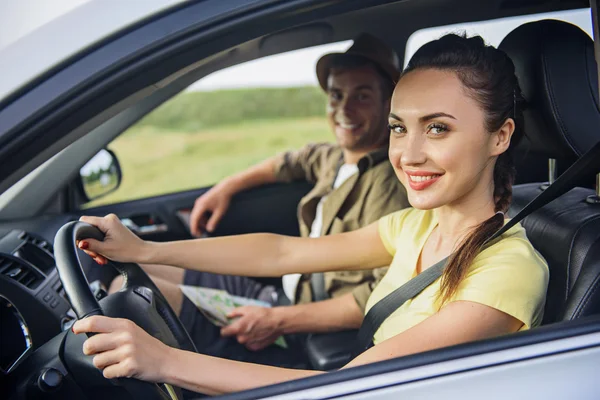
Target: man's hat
(366, 46)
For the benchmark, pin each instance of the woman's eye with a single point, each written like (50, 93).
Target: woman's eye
(398, 129)
(437, 129)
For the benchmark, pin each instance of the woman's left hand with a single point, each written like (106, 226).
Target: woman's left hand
(124, 350)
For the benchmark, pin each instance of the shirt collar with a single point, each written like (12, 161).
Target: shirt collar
(372, 159)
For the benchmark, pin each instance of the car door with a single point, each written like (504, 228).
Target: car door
(270, 209)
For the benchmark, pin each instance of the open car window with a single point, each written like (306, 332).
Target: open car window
(223, 124)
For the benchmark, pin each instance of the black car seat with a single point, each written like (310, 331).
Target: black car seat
(557, 72)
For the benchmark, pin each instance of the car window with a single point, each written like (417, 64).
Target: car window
(493, 31)
(223, 124)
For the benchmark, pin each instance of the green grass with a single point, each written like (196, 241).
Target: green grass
(194, 111)
(157, 160)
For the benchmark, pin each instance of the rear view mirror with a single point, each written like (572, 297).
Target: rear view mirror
(100, 175)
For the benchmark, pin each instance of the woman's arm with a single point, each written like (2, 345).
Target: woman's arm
(125, 350)
(215, 376)
(246, 255)
(458, 322)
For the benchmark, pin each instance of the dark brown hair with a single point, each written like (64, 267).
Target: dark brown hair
(351, 61)
(488, 75)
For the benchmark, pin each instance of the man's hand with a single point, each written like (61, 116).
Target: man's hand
(256, 327)
(216, 202)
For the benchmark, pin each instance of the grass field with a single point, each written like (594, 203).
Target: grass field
(195, 111)
(156, 160)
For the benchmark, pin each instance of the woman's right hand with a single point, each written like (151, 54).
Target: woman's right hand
(119, 244)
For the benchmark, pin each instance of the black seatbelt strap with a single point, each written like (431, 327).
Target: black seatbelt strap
(390, 303)
(588, 164)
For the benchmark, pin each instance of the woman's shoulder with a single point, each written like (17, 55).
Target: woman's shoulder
(513, 251)
(407, 223)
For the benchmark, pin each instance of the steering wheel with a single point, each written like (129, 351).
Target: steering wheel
(138, 300)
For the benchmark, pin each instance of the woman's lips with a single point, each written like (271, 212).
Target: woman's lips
(421, 180)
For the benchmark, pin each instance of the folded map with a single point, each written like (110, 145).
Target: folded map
(217, 304)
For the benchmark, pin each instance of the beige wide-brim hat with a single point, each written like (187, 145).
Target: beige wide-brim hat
(369, 47)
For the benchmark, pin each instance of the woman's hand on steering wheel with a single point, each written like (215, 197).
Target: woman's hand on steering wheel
(120, 244)
(124, 350)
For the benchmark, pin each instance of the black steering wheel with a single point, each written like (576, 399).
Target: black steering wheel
(138, 300)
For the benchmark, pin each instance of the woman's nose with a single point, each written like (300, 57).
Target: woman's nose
(412, 150)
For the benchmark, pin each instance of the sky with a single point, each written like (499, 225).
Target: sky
(296, 68)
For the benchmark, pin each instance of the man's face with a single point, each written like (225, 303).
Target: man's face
(356, 109)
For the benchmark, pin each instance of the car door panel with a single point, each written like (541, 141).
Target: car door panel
(270, 208)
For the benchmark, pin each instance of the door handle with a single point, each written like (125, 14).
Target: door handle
(144, 229)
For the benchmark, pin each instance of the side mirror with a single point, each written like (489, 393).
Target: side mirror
(101, 175)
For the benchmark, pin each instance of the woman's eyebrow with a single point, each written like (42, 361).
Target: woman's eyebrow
(394, 116)
(425, 118)
(428, 117)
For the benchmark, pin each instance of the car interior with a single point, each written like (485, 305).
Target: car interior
(556, 68)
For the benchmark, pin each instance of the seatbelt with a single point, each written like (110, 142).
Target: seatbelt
(587, 164)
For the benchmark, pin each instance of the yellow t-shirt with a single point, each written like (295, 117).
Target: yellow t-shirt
(510, 275)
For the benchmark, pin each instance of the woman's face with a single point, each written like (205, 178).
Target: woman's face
(439, 146)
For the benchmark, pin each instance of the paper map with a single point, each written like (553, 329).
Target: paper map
(217, 304)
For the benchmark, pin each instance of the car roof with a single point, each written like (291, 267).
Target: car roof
(48, 45)
(94, 22)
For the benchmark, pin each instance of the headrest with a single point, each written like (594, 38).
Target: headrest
(555, 65)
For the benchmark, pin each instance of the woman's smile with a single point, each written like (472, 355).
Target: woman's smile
(421, 180)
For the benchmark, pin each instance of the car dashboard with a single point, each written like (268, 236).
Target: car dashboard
(33, 304)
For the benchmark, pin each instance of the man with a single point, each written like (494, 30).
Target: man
(354, 185)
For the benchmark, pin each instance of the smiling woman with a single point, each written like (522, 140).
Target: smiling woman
(69, 91)
(442, 121)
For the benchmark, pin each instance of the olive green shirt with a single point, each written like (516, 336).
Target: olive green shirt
(364, 198)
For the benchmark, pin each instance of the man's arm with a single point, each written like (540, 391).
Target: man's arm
(258, 327)
(330, 315)
(216, 200)
(303, 164)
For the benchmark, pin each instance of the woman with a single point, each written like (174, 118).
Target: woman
(456, 116)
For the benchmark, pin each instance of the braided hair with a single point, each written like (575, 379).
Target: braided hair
(488, 75)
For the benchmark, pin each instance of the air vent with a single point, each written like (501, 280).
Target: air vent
(18, 271)
(37, 252)
(37, 241)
